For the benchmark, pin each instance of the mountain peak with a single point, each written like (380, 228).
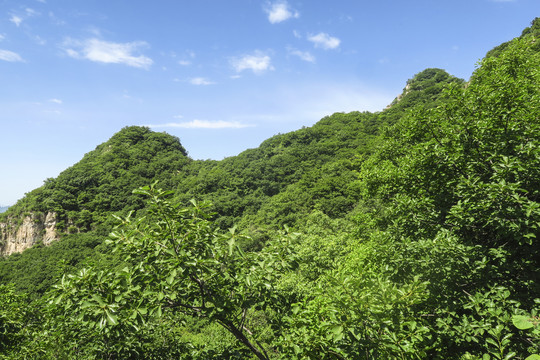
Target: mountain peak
(423, 88)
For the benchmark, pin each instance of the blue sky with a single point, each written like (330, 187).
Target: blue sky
(221, 75)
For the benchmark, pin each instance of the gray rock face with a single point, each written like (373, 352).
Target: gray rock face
(17, 235)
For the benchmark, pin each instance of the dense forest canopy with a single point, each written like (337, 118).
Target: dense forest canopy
(410, 233)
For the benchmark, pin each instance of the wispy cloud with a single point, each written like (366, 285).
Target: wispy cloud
(325, 41)
(203, 124)
(200, 81)
(280, 11)
(10, 56)
(56, 101)
(17, 20)
(257, 62)
(108, 52)
(304, 55)
(31, 12)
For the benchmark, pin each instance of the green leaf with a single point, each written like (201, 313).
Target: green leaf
(142, 311)
(492, 342)
(111, 318)
(231, 245)
(86, 304)
(533, 357)
(171, 277)
(522, 322)
(337, 329)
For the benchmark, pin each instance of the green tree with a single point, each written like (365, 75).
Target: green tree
(179, 263)
(16, 318)
(466, 174)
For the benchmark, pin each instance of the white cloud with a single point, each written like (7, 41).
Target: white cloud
(203, 124)
(304, 55)
(2, 37)
(56, 101)
(31, 12)
(258, 63)
(200, 81)
(10, 56)
(108, 52)
(17, 20)
(280, 11)
(297, 34)
(184, 62)
(324, 41)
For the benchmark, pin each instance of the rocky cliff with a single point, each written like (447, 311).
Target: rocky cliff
(19, 234)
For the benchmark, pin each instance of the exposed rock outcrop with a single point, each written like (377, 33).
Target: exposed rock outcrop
(19, 234)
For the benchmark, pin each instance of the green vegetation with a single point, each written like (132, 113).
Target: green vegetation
(85, 195)
(405, 234)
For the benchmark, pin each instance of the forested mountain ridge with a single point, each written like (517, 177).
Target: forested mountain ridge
(415, 237)
(83, 196)
(289, 175)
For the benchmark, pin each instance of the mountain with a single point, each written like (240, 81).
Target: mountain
(252, 187)
(83, 197)
(406, 233)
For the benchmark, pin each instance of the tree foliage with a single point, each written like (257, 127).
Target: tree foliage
(180, 263)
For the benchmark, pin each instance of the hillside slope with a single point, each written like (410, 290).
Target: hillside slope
(83, 197)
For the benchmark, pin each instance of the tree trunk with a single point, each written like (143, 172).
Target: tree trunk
(239, 334)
